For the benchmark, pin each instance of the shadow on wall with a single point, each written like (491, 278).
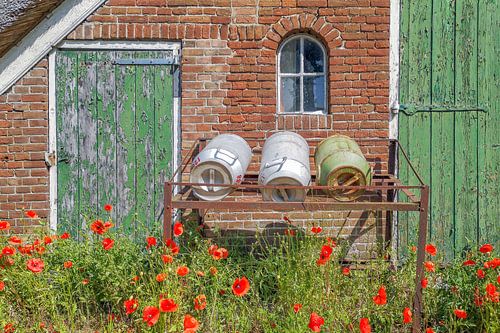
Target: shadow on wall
(364, 236)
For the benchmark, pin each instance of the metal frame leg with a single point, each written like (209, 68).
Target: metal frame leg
(422, 235)
(167, 215)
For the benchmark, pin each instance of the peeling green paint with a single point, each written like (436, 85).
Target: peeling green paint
(114, 137)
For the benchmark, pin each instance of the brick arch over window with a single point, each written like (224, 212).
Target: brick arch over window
(302, 23)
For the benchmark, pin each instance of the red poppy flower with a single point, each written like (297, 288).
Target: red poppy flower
(346, 271)
(331, 242)
(364, 325)
(178, 229)
(191, 325)
(150, 315)
(461, 314)
(2, 285)
(200, 273)
(130, 305)
(31, 214)
(429, 330)
(212, 248)
(98, 227)
(174, 248)
(161, 277)
(424, 283)
(315, 322)
(220, 253)
(9, 328)
(493, 263)
(431, 249)
(213, 270)
(326, 250)
(381, 297)
(200, 302)
(168, 305)
(108, 207)
(182, 271)
(4, 225)
(492, 293)
(47, 240)
(150, 241)
(468, 263)
(480, 274)
(35, 265)
(65, 236)
(486, 248)
(290, 232)
(429, 266)
(85, 281)
(297, 307)
(286, 219)
(14, 240)
(8, 251)
(498, 279)
(241, 286)
(107, 243)
(413, 248)
(407, 316)
(167, 259)
(68, 264)
(316, 230)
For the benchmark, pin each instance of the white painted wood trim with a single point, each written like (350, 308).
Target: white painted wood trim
(395, 11)
(119, 45)
(37, 43)
(52, 141)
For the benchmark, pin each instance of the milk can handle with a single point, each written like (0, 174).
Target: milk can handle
(226, 153)
(276, 162)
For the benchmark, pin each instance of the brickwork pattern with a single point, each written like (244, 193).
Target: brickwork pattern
(228, 75)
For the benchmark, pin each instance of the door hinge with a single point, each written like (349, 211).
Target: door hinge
(50, 159)
(411, 109)
(174, 60)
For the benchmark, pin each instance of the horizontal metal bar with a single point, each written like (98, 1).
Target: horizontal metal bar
(310, 187)
(145, 62)
(252, 205)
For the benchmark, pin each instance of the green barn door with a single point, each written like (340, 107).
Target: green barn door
(449, 119)
(114, 136)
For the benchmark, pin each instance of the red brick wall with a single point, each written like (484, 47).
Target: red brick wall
(23, 143)
(228, 74)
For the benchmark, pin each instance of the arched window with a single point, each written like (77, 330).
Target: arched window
(302, 76)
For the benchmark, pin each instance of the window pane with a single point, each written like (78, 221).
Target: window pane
(290, 94)
(314, 93)
(313, 57)
(290, 57)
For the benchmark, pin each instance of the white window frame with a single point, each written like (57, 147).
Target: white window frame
(301, 74)
(115, 46)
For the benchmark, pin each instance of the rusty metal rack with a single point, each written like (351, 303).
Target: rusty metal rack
(386, 188)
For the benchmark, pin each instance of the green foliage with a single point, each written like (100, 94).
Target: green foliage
(90, 295)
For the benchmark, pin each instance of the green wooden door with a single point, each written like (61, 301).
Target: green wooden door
(449, 81)
(114, 136)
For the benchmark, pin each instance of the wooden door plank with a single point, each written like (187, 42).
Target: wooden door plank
(67, 141)
(106, 136)
(163, 134)
(489, 142)
(87, 119)
(466, 225)
(419, 133)
(441, 224)
(145, 138)
(405, 27)
(125, 143)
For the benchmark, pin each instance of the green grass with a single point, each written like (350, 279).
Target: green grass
(281, 274)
